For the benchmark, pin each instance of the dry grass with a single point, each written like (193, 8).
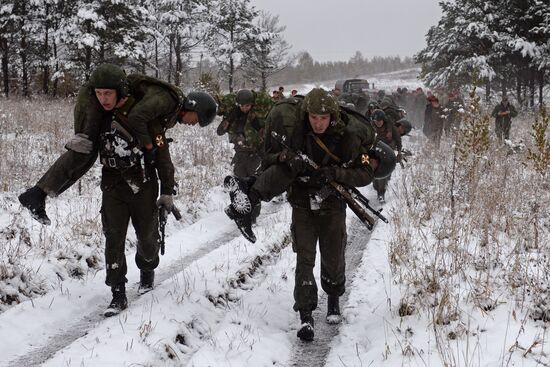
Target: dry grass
(32, 136)
(473, 230)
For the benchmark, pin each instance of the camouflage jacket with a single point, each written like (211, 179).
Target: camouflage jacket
(245, 130)
(349, 139)
(388, 134)
(148, 112)
(504, 118)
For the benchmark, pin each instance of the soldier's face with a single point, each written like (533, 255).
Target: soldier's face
(245, 107)
(319, 123)
(189, 118)
(107, 98)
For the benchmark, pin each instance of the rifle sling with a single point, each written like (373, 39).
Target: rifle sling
(324, 147)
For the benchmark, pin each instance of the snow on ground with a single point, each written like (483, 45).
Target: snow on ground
(221, 301)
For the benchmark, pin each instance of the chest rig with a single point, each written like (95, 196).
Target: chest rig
(118, 145)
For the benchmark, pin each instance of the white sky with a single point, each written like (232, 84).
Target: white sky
(335, 30)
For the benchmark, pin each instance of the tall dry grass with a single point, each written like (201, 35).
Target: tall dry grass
(473, 230)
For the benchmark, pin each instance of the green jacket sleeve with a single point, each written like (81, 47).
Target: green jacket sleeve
(156, 103)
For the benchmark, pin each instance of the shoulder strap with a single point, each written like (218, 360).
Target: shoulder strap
(324, 147)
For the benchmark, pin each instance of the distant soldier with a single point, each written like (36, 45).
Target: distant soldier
(244, 124)
(392, 111)
(386, 132)
(433, 120)
(503, 113)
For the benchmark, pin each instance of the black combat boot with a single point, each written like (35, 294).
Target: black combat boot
(34, 199)
(119, 302)
(333, 310)
(245, 204)
(243, 221)
(146, 281)
(242, 199)
(381, 197)
(305, 332)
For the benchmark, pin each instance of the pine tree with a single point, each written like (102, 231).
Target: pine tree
(265, 50)
(231, 27)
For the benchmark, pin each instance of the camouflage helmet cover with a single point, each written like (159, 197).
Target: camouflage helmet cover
(245, 96)
(321, 102)
(110, 76)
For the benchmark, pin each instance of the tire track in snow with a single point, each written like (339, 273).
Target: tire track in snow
(314, 354)
(71, 332)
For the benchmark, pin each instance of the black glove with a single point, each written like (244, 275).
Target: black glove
(149, 157)
(296, 164)
(322, 176)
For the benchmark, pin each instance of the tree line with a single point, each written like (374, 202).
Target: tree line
(51, 46)
(504, 45)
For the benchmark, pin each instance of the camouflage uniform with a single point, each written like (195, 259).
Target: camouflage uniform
(433, 123)
(70, 166)
(245, 132)
(393, 114)
(349, 137)
(388, 134)
(503, 123)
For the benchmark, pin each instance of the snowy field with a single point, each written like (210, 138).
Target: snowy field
(459, 277)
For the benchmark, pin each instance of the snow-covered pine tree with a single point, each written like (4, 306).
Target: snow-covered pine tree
(266, 50)
(231, 27)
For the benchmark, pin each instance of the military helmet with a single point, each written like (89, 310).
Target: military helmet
(378, 115)
(245, 96)
(381, 93)
(321, 102)
(110, 76)
(203, 104)
(406, 125)
(386, 159)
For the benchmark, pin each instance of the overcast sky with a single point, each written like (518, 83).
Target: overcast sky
(332, 30)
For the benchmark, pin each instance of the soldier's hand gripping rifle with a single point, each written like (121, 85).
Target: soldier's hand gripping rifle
(163, 218)
(351, 195)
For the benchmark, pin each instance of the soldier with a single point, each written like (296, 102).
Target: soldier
(433, 120)
(339, 142)
(503, 113)
(392, 111)
(129, 179)
(386, 132)
(244, 124)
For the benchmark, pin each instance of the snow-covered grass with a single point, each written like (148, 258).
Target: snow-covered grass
(458, 278)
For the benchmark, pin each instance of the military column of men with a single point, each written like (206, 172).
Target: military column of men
(124, 119)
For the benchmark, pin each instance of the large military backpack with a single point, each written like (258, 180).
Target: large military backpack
(134, 80)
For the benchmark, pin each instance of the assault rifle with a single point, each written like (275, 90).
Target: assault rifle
(357, 202)
(163, 218)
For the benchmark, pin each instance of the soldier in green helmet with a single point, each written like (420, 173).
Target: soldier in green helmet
(338, 140)
(124, 119)
(244, 124)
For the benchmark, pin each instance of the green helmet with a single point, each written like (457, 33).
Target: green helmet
(321, 102)
(110, 76)
(245, 96)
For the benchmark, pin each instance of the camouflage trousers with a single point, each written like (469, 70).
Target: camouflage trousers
(502, 129)
(328, 227)
(119, 205)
